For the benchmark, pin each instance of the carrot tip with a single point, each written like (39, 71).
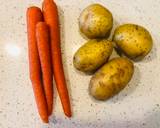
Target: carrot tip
(68, 115)
(45, 120)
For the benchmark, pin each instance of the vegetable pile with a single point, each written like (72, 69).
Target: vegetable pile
(96, 23)
(110, 76)
(45, 59)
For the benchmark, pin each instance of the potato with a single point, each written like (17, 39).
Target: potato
(92, 55)
(111, 78)
(133, 40)
(95, 21)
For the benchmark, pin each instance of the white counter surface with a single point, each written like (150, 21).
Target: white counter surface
(137, 106)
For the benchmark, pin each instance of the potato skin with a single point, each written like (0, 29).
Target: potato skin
(111, 78)
(92, 55)
(133, 40)
(95, 21)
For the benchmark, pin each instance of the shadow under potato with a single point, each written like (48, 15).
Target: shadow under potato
(100, 38)
(148, 58)
(83, 73)
(152, 55)
(122, 54)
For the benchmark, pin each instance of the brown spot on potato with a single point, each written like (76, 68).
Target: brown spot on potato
(136, 26)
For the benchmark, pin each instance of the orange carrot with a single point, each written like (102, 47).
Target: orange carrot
(42, 34)
(50, 14)
(34, 15)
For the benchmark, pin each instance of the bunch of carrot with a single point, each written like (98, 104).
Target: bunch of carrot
(45, 59)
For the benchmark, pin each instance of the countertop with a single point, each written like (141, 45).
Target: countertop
(137, 106)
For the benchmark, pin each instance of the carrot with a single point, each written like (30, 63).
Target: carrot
(34, 15)
(42, 34)
(50, 14)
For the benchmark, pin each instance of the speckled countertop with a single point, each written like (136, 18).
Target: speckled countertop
(137, 106)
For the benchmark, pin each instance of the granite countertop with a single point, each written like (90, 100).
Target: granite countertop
(137, 106)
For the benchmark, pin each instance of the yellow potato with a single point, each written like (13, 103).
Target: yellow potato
(133, 40)
(96, 21)
(111, 78)
(92, 55)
